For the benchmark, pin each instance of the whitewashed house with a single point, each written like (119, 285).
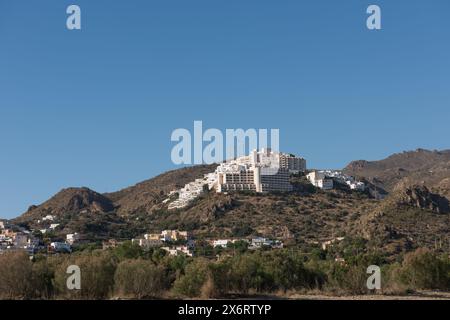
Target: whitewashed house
(320, 180)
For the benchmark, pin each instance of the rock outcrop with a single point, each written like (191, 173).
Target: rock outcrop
(420, 196)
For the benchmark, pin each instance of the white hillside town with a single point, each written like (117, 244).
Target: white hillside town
(262, 171)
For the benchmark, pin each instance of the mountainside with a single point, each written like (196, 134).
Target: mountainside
(420, 167)
(112, 214)
(145, 196)
(420, 197)
(408, 218)
(414, 213)
(71, 200)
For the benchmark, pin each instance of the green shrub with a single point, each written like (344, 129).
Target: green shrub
(347, 279)
(424, 269)
(287, 271)
(248, 274)
(128, 250)
(15, 276)
(190, 284)
(139, 279)
(97, 276)
(43, 277)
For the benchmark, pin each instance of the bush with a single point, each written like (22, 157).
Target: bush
(242, 230)
(287, 271)
(97, 276)
(190, 284)
(218, 282)
(348, 279)
(391, 284)
(15, 276)
(128, 250)
(42, 280)
(248, 274)
(139, 279)
(424, 269)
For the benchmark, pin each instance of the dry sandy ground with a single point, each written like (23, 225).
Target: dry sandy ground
(423, 295)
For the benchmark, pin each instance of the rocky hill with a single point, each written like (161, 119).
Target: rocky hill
(419, 167)
(419, 196)
(411, 215)
(71, 200)
(145, 196)
(112, 214)
(408, 218)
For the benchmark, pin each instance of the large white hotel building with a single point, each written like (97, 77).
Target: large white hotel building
(262, 171)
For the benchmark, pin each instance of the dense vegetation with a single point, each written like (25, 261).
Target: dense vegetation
(129, 272)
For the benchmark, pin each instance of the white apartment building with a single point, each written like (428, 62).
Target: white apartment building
(292, 163)
(320, 180)
(236, 178)
(278, 181)
(261, 171)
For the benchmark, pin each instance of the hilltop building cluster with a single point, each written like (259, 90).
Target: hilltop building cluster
(324, 179)
(261, 171)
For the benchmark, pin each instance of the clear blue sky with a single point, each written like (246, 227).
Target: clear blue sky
(96, 107)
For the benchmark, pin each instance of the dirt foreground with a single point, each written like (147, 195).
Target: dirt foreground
(422, 295)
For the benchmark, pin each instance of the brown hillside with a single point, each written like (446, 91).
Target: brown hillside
(420, 167)
(412, 215)
(408, 218)
(144, 196)
(71, 200)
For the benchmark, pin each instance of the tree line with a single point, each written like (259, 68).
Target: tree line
(128, 272)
